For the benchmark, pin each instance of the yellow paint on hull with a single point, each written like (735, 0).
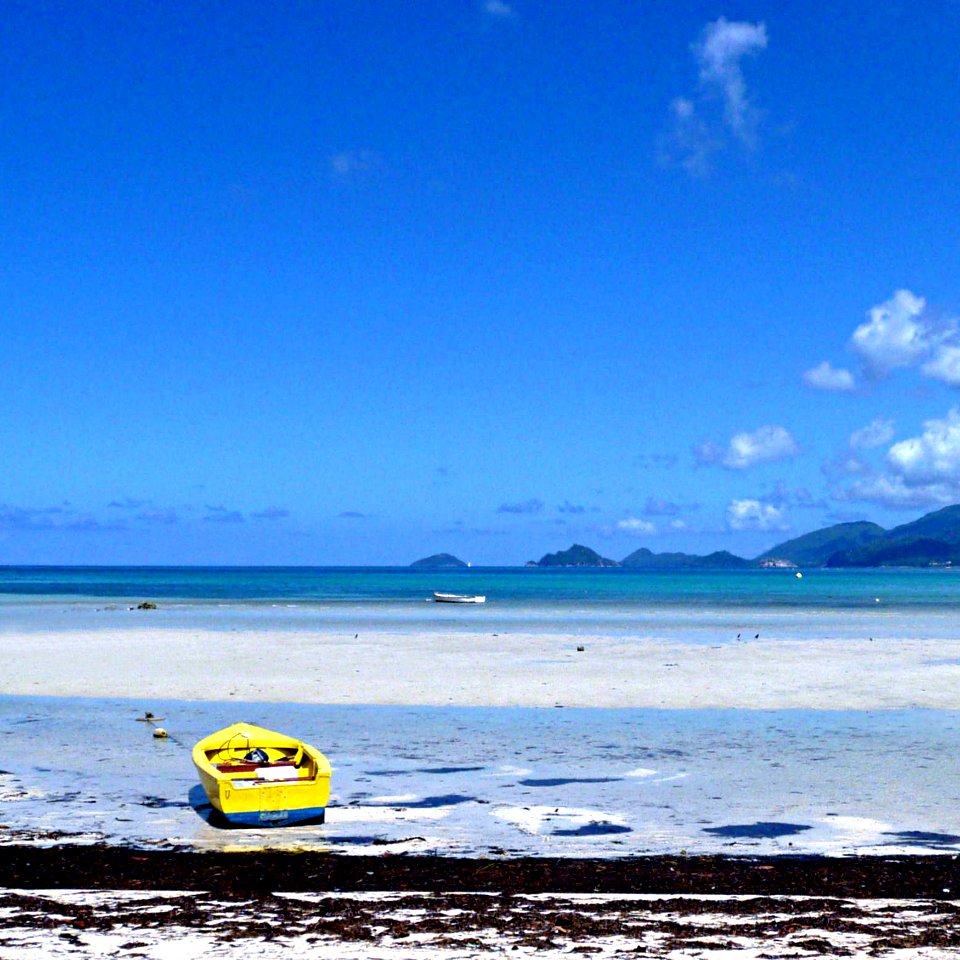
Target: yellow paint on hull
(291, 785)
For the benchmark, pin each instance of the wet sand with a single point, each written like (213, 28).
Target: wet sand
(516, 669)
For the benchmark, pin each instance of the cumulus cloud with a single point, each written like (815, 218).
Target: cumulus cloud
(679, 525)
(933, 457)
(920, 471)
(875, 434)
(826, 377)
(900, 332)
(894, 335)
(755, 515)
(944, 366)
(524, 506)
(636, 527)
(892, 491)
(764, 445)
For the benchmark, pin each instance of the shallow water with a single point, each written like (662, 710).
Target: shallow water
(694, 606)
(462, 781)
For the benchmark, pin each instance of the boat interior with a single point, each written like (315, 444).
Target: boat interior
(242, 759)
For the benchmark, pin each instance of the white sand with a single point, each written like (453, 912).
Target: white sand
(473, 669)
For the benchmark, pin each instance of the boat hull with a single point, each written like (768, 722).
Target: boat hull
(458, 598)
(274, 818)
(292, 786)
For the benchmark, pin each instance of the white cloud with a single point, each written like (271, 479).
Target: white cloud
(764, 445)
(944, 366)
(921, 471)
(874, 434)
(755, 515)
(697, 131)
(933, 457)
(679, 525)
(690, 139)
(894, 336)
(497, 8)
(893, 492)
(722, 46)
(826, 377)
(636, 527)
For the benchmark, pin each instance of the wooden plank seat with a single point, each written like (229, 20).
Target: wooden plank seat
(241, 767)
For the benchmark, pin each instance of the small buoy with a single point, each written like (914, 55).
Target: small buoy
(160, 734)
(798, 575)
(876, 599)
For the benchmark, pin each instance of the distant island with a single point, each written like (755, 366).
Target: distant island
(931, 541)
(576, 556)
(440, 561)
(720, 560)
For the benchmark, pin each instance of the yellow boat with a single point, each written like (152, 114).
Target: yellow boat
(256, 777)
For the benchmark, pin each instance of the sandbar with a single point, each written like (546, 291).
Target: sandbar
(514, 669)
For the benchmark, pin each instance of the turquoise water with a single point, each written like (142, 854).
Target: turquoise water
(511, 585)
(696, 606)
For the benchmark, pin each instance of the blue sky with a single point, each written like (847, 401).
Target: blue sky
(334, 283)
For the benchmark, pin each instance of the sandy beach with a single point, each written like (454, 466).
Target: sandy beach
(514, 669)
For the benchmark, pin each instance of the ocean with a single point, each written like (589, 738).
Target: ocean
(688, 605)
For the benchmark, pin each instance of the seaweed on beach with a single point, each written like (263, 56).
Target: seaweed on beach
(492, 923)
(102, 866)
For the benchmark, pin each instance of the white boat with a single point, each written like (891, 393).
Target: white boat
(458, 598)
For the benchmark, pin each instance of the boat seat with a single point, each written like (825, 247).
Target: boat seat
(241, 767)
(248, 784)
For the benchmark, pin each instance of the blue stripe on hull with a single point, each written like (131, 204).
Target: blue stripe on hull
(275, 818)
